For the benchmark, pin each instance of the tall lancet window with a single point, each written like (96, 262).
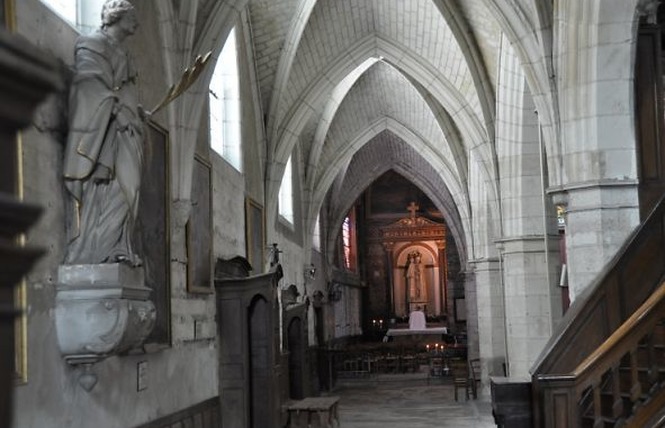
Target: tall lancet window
(286, 193)
(316, 236)
(225, 104)
(349, 240)
(85, 15)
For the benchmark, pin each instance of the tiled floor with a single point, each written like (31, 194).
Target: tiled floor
(407, 401)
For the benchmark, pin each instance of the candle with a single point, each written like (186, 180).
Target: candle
(427, 347)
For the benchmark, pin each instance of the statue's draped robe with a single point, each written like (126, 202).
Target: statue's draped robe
(411, 281)
(104, 154)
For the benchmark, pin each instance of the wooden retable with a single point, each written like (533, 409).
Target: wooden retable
(314, 412)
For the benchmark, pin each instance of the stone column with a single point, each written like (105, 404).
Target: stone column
(598, 222)
(443, 276)
(532, 298)
(390, 297)
(470, 298)
(599, 218)
(490, 314)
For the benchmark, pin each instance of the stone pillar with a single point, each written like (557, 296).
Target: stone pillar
(598, 221)
(443, 276)
(390, 297)
(532, 298)
(490, 314)
(470, 298)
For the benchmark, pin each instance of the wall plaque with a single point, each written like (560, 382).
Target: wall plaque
(199, 230)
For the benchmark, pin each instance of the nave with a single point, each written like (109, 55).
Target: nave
(407, 400)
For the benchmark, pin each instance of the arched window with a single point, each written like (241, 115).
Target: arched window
(84, 15)
(225, 104)
(316, 236)
(286, 194)
(349, 240)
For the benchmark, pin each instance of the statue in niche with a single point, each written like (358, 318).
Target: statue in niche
(104, 152)
(415, 277)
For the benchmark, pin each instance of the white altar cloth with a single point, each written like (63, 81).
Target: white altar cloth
(408, 332)
(417, 321)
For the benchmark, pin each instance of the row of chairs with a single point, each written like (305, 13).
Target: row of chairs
(367, 363)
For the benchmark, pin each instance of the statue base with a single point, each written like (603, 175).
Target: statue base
(415, 305)
(101, 310)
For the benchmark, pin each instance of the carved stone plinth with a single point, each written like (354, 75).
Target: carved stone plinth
(101, 310)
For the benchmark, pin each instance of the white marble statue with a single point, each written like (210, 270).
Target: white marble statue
(104, 152)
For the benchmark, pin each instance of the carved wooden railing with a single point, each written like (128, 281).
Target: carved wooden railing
(621, 383)
(622, 288)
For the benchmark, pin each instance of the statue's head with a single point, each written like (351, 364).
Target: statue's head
(114, 10)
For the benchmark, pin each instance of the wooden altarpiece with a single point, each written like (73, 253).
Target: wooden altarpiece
(413, 230)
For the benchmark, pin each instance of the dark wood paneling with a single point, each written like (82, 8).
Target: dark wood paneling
(625, 283)
(28, 75)
(248, 342)
(649, 117)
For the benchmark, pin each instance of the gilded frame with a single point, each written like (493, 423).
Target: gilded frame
(20, 291)
(9, 14)
(198, 230)
(254, 234)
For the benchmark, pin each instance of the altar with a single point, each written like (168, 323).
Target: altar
(417, 335)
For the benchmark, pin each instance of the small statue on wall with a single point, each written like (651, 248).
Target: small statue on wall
(104, 152)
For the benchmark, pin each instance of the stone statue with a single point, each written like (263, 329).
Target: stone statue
(104, 152)
(415, 278)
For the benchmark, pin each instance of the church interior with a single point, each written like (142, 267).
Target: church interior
(218, 212)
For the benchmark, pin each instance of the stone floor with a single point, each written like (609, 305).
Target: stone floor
(399, 401)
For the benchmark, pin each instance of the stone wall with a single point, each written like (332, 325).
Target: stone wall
(179, 374)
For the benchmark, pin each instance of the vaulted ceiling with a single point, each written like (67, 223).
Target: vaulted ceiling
(334, 75)
(413, 81)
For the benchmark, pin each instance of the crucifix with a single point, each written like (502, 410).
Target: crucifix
(412, 208)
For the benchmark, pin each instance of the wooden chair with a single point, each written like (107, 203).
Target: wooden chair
(474, 376)
(467, 379)
(435, 368)
(460, 378)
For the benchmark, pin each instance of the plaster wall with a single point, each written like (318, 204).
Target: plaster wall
(179, 374)
(347, 313)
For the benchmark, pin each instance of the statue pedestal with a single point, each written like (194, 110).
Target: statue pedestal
(101, 310)
(415, 305)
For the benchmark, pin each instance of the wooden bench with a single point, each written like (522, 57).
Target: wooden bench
(314, 412)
